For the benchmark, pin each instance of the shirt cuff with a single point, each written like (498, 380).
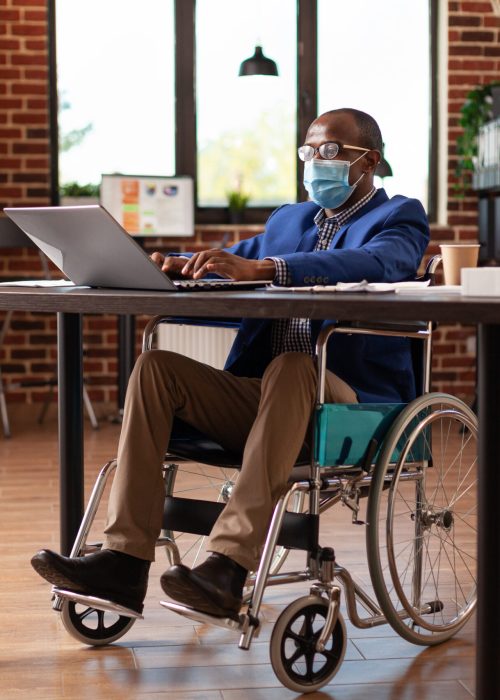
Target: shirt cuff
(282, 277)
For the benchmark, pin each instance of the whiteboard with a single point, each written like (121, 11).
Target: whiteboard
(150, 206)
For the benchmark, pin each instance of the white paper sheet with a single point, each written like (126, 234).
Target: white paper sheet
(38, 283)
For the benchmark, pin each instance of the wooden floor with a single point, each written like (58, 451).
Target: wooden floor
(166, 656)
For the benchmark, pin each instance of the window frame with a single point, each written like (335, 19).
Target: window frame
(185, 102)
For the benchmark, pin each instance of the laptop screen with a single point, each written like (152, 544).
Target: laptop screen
(150, 206)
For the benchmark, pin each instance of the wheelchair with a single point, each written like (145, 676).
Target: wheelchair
(414, 466)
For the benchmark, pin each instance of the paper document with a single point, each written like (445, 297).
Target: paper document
(437, 289)
(38, 283)
(363, 286)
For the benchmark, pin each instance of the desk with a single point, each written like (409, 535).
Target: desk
(70, 303)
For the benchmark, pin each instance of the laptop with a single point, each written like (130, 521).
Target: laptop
(94, 250)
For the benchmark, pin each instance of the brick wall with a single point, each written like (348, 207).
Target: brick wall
(29, 351)
(474, 58)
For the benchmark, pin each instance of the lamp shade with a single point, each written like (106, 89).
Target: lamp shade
(383, 169)
(258, 64)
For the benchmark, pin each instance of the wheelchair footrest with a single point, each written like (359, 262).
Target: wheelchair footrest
(97, 603)
(199, 616)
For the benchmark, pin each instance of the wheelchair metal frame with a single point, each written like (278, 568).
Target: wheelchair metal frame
(324, 488)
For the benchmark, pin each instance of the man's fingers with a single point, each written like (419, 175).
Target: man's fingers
(174, 264)
(200, 259)
(157, 258)
(221, 268)
(214, 265)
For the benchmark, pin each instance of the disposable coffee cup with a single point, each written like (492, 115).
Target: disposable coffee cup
(455, 257)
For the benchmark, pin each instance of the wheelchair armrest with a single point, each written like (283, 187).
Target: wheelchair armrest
(430, 270)
(417, 330)
(398, 327)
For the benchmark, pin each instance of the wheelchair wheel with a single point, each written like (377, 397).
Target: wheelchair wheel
(294, 658)
(208, 483)
(422, 520)
(91, 626)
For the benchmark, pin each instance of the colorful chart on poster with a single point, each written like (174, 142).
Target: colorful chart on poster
(150, 206)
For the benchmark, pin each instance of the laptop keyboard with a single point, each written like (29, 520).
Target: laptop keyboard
(221, 285)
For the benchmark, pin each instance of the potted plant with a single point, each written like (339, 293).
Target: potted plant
(72, 192)
(237, 201)
(479, 107)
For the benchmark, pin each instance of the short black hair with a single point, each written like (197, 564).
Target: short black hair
(369, 130)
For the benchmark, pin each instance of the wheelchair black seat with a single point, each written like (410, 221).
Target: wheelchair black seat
(190, 444)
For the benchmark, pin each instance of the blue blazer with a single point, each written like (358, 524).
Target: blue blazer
(383, 242)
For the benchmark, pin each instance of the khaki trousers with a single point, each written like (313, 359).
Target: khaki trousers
(265, 418)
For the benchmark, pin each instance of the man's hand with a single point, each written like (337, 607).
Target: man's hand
(225, 264)
(170, 264)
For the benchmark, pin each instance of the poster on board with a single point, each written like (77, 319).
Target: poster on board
(150, 206)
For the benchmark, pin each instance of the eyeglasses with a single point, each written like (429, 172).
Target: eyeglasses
(327, 150)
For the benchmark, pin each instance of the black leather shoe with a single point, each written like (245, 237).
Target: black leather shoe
(214, 587)
(115, 576)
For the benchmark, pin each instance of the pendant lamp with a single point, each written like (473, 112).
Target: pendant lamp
(258, 64)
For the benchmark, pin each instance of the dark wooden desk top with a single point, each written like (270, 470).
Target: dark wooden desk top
(449, 308)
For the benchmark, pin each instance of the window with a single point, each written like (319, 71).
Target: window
(246, 126)
(115, 65)
(376, 57)
(153, 89)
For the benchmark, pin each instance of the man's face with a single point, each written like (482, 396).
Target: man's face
(342, 129)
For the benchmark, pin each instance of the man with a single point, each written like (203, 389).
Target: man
(261, 403)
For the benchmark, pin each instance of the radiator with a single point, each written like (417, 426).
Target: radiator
(208, 345)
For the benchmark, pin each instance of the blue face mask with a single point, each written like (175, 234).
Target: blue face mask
(327, 181)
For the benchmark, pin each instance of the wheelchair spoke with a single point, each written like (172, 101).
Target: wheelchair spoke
(422, 543)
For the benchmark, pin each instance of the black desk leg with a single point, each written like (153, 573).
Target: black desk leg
(70, 376)
(126, 355)
(488, 614)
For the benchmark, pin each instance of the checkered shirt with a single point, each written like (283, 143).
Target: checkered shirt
(294, 334)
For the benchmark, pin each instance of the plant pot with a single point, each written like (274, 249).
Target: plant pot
(236, 216)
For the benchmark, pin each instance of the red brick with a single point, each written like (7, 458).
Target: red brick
(30, 118)
(36, 74)
(492, 21)
(464, 21)
(465, 50)
(30, 148)
(9, 44)
(460, 363)
(21, 354)
(11, 163)
(492, 50)
(10, 73)
(35, 45)
(477, 36)
(38, 192)
(30, 177)
(478, 65)
(10, 15)
(29, 89)
(442, 349)
(29, 30)
(35, 15)
(28, 3)
(38, 163)
(36, 103)
(476, 7)
(28, 59)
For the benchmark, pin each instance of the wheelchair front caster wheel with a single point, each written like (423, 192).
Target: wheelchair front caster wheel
(294, 658)
(91, 626)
